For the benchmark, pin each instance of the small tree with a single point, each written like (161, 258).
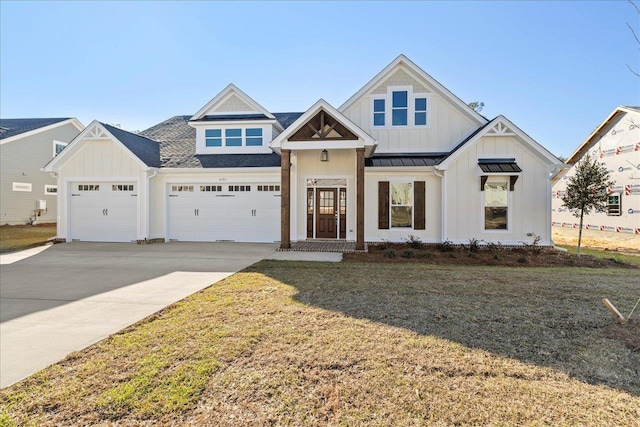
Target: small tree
(587, 190)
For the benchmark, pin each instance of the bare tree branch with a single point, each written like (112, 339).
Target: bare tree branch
(635, 6)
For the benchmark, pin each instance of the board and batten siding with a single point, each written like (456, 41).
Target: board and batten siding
(433, 205)
(447, 124)
(101, 161)
(20, 161)
(307, 165)
(529, 203)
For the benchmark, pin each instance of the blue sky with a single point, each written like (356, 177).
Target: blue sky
(556, 69)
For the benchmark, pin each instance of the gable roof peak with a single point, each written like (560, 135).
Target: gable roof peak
(223, 95)
(419, 74)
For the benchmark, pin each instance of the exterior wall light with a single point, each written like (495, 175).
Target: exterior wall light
(324, 156)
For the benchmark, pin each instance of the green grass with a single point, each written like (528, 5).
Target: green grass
(18, 237)
(285, 343)
(600, 253)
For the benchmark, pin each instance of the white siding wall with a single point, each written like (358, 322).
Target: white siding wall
(447, 125)
(433, 206)
(100, 161)
(528, 204)
(307, 165)
(21, 161)
(619, 149)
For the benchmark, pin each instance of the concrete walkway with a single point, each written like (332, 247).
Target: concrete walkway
(66, 297)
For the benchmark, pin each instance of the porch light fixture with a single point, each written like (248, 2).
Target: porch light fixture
(324, 156)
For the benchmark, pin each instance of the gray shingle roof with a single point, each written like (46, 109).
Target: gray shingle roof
(178, 146)
(144, 148)
(13, 127)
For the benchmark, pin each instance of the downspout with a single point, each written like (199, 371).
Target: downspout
(444, 202)
(148, 202)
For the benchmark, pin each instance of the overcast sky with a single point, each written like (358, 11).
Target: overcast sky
(556, 69)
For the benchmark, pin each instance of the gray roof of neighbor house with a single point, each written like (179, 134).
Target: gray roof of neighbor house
(144, 148)
(13, 127)
(178, 146)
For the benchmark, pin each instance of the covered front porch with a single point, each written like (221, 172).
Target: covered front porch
(322, 182)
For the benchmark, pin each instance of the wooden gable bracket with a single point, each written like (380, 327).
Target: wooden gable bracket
(322, 127)
(483, 181)
(512, 181)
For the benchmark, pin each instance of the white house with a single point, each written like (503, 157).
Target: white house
(28, 195)
(616, 143)
(402, 156)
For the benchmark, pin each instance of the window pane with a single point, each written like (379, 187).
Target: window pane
(213, 133)
(402, 193)
(378, 105)
(254, 132)
(400, 99)
(233, 132)
(421, 119)
(399, 117)
(495, 218)
(401, 216)
(421, 104)
(234, 142)
(213, 142)
(59, 148)
(254, 142)
(378, 119)
(495, 194)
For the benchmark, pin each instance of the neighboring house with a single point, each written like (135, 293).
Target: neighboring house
(616, 143)
(403, 156)
(26, 145)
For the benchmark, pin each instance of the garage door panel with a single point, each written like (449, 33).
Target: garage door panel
(241, 214)
(104, 212)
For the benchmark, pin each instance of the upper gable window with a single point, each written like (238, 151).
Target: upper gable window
(407, 109)
(58, 147)
(234, 137)
(254, 137)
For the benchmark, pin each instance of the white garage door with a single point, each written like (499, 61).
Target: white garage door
(214, 212)
(104, 212)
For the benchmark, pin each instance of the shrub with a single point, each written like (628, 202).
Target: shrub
(414, 242)
(474, 245)
(427, 255)
(534, 246)
(523, 260)
(408, 254)
(496, 250)
(384, 245)
(390, 253)
(446, 246)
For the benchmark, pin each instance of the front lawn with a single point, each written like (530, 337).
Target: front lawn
(19, 237)
(285, 343)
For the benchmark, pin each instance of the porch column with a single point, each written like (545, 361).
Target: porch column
(285, 199)
(359, 198)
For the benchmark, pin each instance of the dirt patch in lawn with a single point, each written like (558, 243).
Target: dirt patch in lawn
(494, 256)
(19, 237)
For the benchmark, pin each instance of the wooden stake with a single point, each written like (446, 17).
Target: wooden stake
(613, 310)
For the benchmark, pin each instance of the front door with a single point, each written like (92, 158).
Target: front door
(327, 213)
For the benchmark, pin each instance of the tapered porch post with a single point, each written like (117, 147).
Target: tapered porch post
(360, 199)
(285, 200)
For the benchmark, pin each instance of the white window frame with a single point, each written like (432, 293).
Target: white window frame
(492, 179)
(391, 205)
(267, 136)
(25, 187)
(411, 108)
(55, 143)
(48, 187)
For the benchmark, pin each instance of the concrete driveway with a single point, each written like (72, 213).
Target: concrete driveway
(69, 296)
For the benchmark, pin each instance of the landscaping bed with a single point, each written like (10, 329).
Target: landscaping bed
(493, 255)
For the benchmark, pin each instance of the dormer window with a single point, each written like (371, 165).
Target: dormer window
(254, 137)
(213, 137)
(407, 108)
(233, 137)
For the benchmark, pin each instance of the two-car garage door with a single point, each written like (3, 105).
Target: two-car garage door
(224, 212)
(104, 211)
